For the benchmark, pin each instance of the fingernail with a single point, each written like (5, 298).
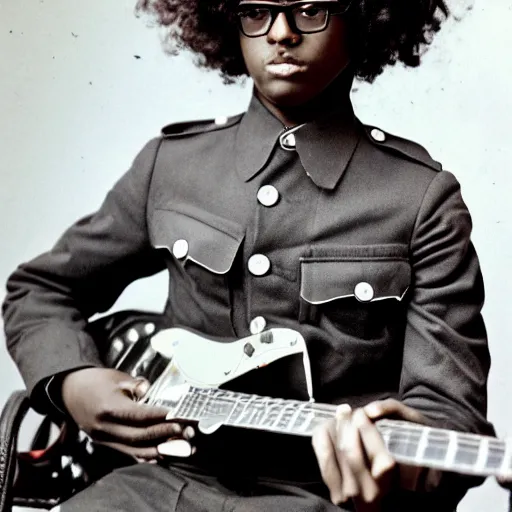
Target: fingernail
(381, 465)
(175, 448)
(360, 418)
(343, 409)
(372, 410)
(189, 433)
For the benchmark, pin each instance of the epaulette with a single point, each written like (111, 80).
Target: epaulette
(194, 127)
(406, 148)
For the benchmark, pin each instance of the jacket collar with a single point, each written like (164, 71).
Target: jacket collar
(325, 146)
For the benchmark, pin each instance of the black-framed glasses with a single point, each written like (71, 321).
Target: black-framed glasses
(256, 18)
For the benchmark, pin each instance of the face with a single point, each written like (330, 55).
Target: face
(290, 69)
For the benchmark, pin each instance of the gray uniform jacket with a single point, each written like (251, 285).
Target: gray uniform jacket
(351, 236)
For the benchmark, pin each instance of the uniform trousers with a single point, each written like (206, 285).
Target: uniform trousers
(153, 488)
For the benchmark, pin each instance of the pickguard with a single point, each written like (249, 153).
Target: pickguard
(204, 362)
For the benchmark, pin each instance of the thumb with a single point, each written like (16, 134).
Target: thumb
(134, 388)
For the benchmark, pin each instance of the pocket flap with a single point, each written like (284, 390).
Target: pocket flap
(368, 280)
(194, 235)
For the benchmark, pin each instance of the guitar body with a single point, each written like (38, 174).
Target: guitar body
(188, 388)
(205, 362)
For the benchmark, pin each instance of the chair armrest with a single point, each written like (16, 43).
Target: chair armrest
(12, 415)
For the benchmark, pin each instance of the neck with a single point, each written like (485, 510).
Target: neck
(335, 96)
(409, 443)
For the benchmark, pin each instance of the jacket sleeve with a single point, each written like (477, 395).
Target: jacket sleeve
(50, 298)
(446, 358)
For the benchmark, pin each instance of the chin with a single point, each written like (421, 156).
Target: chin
(286, 94)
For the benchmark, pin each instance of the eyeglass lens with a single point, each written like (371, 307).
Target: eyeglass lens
(308, 17)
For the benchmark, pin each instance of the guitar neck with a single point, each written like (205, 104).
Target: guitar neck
(409, 443)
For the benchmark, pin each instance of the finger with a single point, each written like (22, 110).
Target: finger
(350, 487)
(355, 455)
(136, 436)
(392, 407)
(188, 432)
(175, 448)
(124, 410)
(146, 453)
(380, 460)
(135, 388)
(325, 452)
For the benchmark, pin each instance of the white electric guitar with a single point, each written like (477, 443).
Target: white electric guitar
(188, 387)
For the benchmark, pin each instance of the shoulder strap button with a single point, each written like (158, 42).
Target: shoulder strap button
(221, 120)
(378, 135)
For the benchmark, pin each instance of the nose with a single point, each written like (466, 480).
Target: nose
(281, 32)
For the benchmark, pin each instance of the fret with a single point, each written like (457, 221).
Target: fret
(403, 443)
(437, 446)
(271, 411)
(244, 410)
(505, 467)
(287, 413)
(196, 405)
(467, 452)
(296, 422)
(309, 422)
(175, 407)
(186, 406)
(422, 445)
(451, 452)
(495, 455)
(280, 413)
(482, 455)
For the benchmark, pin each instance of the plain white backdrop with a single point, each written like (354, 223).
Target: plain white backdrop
(84, 85)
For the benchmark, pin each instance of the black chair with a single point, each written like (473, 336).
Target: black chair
(52, 470)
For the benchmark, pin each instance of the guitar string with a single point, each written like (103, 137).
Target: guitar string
(201, 397)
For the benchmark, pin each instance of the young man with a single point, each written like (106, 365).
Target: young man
(292, 215)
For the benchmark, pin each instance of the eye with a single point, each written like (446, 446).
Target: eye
(311, 11)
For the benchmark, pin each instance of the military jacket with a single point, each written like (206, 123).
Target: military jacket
(353, 237)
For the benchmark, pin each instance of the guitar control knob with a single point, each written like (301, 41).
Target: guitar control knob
(248, 349)
(267, 337)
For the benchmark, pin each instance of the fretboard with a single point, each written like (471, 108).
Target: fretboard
(409, 443)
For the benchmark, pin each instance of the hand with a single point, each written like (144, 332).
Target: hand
(102, 403)
(353, 458)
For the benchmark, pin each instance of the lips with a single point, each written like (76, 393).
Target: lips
(285, 67)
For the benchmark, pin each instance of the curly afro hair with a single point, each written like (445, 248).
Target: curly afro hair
(382, 32)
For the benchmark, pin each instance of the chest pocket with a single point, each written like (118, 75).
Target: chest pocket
(356, 290)
(203, 248)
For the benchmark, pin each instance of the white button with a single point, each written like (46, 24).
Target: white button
(180, 248)
(289, 140)
(257, 325)
(132, 335)
(363, 292)
(378, 135)
(117, 345)
(219, 121)
(268, 195)
(258, 264)
(149, 328)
